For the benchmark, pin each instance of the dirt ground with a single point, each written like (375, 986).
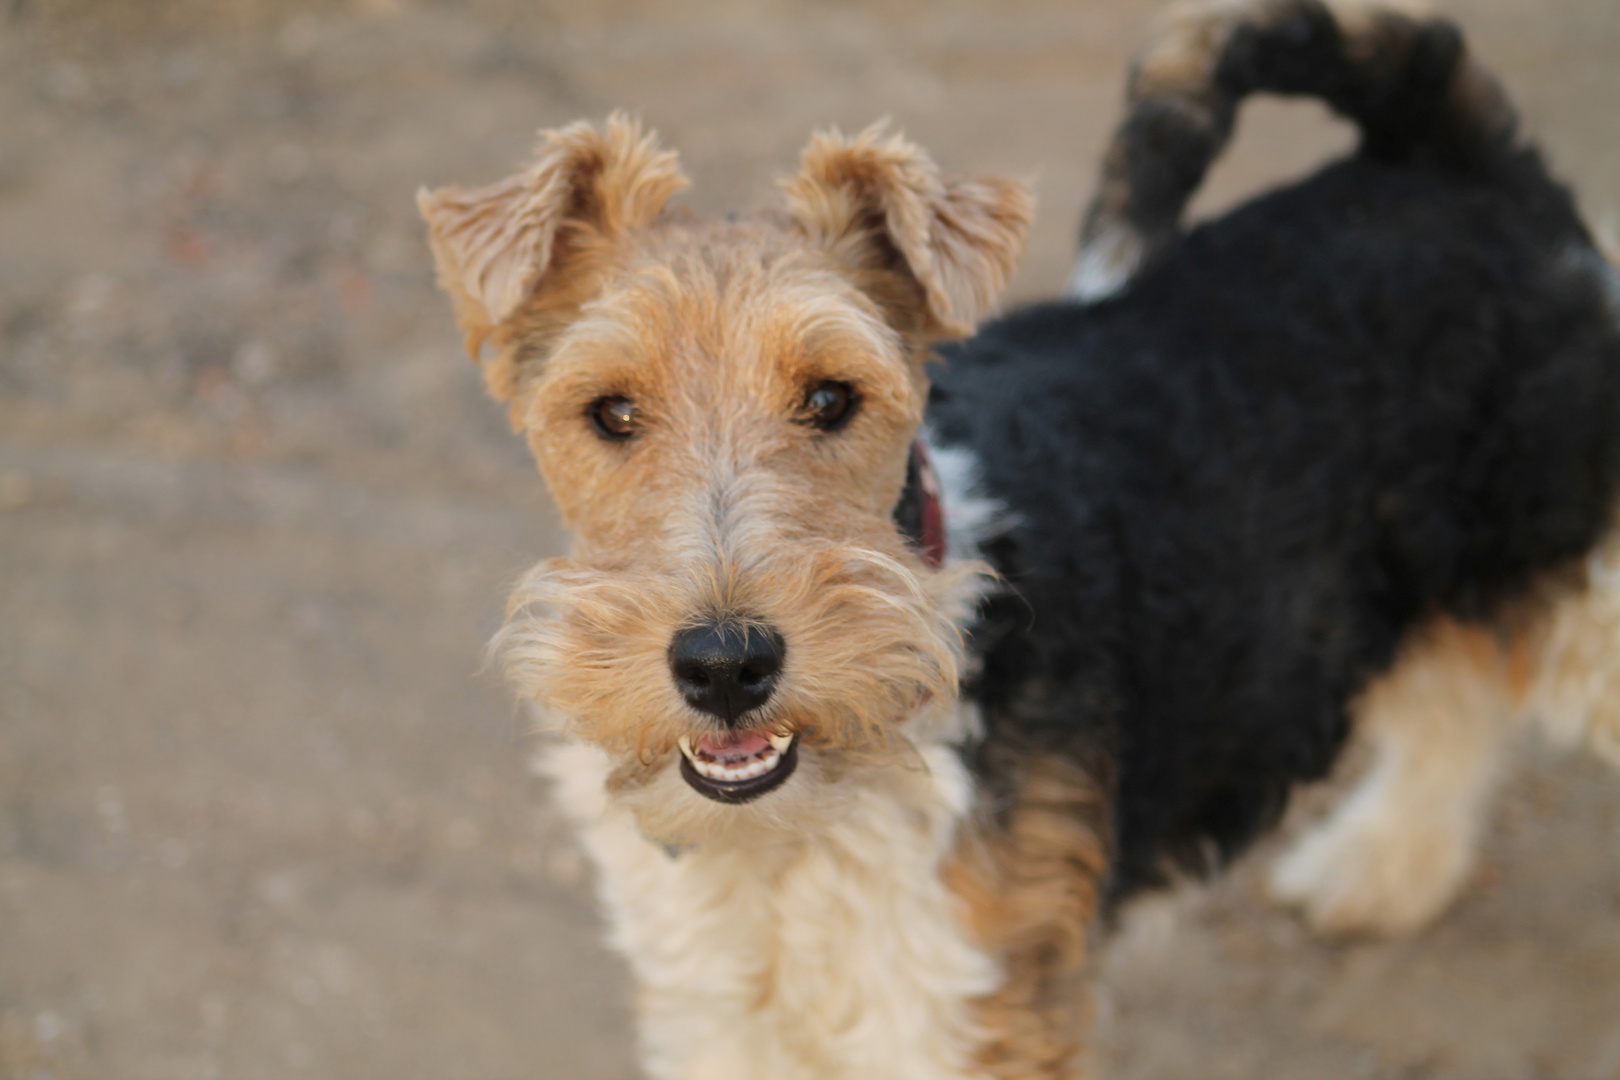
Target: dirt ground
(261, 815)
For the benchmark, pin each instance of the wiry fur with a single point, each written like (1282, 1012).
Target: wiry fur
(1374, 415)
(873, 197)
(810, 933)
(1352, 451)
(1406, 80)
(829, 946)
(719, 330)
(1031, 876)
(1401, 845)
(552, 224)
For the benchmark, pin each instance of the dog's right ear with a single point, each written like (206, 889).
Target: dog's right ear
(530, 241)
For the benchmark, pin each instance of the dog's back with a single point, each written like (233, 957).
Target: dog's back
(1278, 448)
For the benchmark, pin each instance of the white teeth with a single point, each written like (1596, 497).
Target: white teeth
(737, 770)
(745, 770)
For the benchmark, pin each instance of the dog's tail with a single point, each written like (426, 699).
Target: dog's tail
(1406, 80)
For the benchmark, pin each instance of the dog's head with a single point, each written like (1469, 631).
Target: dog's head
(724, 411)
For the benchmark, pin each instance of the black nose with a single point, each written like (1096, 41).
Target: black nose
(725, 669)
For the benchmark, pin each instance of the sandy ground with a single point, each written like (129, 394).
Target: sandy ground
(260, 814)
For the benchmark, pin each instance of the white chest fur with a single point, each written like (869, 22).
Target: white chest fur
(837, 952)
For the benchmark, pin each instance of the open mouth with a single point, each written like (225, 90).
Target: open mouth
(737, 766)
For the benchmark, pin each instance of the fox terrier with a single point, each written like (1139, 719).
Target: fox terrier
(878, 684)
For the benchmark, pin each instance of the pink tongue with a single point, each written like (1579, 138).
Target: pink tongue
(737, 746)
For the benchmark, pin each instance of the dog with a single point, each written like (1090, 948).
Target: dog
(878, 684)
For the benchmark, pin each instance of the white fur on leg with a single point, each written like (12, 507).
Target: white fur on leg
(1396, 852)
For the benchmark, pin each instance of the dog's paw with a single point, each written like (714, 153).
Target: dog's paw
(1363, 873)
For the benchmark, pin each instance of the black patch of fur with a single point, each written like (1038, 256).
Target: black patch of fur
(1386, 392)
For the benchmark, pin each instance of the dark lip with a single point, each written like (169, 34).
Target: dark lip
(734, 792)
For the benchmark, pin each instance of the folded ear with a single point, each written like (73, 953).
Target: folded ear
(879, 204)
(499, 246)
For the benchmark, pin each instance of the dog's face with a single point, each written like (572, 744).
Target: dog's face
(724, 412)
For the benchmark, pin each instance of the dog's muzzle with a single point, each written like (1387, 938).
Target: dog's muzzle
(728, 670)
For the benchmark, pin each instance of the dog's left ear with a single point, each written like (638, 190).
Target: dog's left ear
(935, 252)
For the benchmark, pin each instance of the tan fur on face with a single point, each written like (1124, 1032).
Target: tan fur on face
(759, 950)
(726, 504)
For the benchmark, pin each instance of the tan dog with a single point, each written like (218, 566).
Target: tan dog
(725, 411)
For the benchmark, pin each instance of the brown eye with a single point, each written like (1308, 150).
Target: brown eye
(614, 417)
(829, 405)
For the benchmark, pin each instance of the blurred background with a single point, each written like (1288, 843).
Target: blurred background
(261, 815)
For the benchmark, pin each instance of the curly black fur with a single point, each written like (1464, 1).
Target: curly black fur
(1387, 392)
